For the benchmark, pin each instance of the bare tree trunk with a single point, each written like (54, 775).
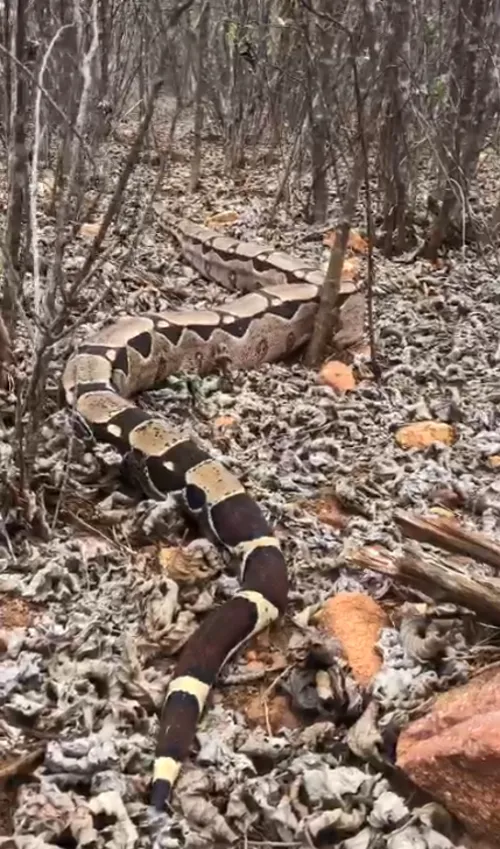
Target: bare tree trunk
(394, 152)
(319, 49)
(105, 48)
(458, 153)
(319, 160)
(200, 87)
(327, 316)
(18, 157)
(7, 76)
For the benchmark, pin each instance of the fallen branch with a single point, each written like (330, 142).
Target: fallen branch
(447, 534)
(460, 588)
(433, 576)
(24, 764)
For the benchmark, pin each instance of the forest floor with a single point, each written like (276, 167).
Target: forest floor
(97, 597)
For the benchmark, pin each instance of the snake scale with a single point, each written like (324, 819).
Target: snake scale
(274, 317)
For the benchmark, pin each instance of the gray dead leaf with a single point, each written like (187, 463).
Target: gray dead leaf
(402, 687)
(15, 639)
(283, 819)
(84, 755)
(238, 812)
(420, 640)
(401, 682)
(364, 737)
(125, 834)
(161, 602)
(218, 739)
(222, 755)
(315, 734)
(204, 813)
(179, 632)
(27, 708)
(436, 840)
(222, 724)
(160, 830)
(48, 812)
(433, 815)
(204, 601)
(25, 671)
(330, 785)
(108, 781)
(53, 581)
(388, 811)
(194, 781)
(364, 839)
(94, 546)
(265, 791)
(154, 514)
(205, 550)
(319, 824)
(12, 584)
(407, 838)
(259, 744)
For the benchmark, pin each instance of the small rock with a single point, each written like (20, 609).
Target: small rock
(423, 434)
(15, 613)
(454, 752)
(355, 619)
(338, 375)
(225, 422)
(329, 510)
(355, 242)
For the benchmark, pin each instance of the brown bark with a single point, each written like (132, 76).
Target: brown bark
(447, 534)
(434, 576)
(327, 315)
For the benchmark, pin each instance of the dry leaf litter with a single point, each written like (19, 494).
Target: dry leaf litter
(86, 676)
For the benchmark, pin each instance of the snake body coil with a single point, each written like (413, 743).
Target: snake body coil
(274, 318)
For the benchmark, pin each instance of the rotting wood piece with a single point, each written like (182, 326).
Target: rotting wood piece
(433, 574)
(447, 534)
(460, 588)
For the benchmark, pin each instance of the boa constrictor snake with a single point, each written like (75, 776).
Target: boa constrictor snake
(272, 319)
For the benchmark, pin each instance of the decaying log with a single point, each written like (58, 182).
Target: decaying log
(434, 575)
(447, 534)
(482, 598)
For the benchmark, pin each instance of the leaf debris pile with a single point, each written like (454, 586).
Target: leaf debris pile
(111, 604)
